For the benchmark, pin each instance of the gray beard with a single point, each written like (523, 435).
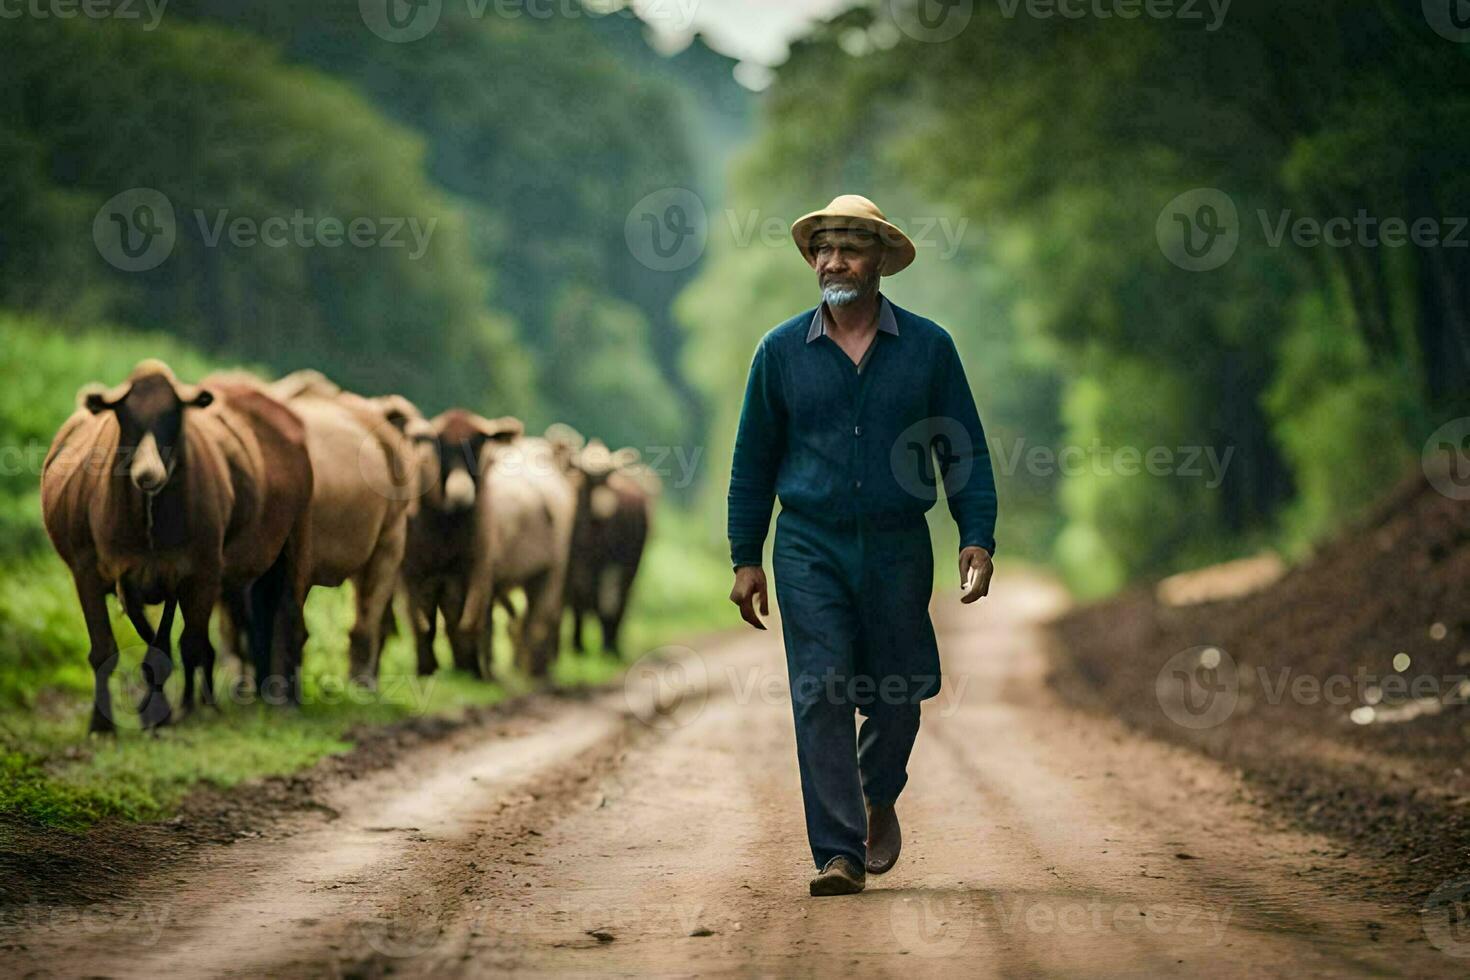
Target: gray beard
(841, 295)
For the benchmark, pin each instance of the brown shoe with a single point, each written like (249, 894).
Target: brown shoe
(841, 876)
(884, 839)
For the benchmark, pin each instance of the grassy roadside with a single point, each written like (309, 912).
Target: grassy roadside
(52, 774)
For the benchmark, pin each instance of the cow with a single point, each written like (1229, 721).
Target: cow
(615, 495)
(365, 485)
(498, 517)
(175, 493)
(526, 514)
(442, 532)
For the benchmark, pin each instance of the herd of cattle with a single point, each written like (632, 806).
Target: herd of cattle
(242, 495)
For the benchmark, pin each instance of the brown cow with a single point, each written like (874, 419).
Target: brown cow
(168, 491)
(614, 514)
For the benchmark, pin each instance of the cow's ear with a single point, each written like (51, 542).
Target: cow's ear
(204, 399)
(507, 428)
(417, 430)
(97, 399)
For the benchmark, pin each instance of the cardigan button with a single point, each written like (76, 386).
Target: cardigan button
(858, 484)
(857, 430)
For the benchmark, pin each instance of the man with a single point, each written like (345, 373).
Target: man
(843, 407)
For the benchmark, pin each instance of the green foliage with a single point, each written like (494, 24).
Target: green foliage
(226, 131)
(1066, 141)
(547, 130)
(607, 381)
(1343, 422)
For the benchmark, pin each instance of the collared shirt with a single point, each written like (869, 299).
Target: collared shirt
(887, 322)
(840, 446)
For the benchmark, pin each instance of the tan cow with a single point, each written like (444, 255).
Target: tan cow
(526, 510)
(173, 492)
(365, 485)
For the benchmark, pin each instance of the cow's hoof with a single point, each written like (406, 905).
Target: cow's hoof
(101, 724)
(152, 724)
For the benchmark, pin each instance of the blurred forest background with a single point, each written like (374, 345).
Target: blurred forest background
(1031, 157)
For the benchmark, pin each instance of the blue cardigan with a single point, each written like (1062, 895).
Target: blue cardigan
(836, 444)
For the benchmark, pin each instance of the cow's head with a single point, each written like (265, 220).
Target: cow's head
(149, 408)
(593, 465)
(465, 442)
(419, 443)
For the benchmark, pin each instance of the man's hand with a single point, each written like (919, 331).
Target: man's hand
(976, 559)
(750, 581)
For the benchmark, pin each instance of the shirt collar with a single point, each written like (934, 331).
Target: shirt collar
(887, 322)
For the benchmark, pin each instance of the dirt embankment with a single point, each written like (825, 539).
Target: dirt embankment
(1339, 691)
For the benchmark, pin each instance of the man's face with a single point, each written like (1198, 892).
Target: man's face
(848, 264)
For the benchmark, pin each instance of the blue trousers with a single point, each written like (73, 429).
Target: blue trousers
(854, 603)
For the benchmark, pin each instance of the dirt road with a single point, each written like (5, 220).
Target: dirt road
(606, 837)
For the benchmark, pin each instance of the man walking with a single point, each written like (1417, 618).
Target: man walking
(845, 409)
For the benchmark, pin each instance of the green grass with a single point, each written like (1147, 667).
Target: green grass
(53, 774)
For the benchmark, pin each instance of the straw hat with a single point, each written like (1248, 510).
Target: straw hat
(855, 211)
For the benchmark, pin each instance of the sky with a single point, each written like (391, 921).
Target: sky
(751, 30)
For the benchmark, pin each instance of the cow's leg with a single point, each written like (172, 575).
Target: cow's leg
(189, 656)
(133, 606)
(577, 642)
(264, 598)
(235, 624)
(158, 663)
(197, 598)
(374, 589)
(158, 660)
(540, 635)
(464, 639)
(389, 625)
(423, 613)
(611, 614)
(205, 661)
(92, 594)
